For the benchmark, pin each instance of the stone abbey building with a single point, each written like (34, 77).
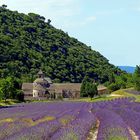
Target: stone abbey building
(43, 88)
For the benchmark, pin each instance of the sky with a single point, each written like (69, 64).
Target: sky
(111, 27)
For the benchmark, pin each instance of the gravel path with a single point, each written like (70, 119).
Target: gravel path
(93, 133)
(133, 134)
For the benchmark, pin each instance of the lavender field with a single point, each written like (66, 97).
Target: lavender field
(118, 119)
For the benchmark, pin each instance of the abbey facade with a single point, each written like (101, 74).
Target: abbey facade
(43, 88)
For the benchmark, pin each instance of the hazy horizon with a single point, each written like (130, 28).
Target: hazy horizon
(110, 27)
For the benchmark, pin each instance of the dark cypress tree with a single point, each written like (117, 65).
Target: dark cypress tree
(91, 90)
(84, 87)
(88, 88)
(137, 78)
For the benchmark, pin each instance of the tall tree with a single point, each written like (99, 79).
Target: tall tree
(6, 88)
(91, 90)
(137, 78)
(49, 21)
(4, 6)
(10, 88)
(83, 90)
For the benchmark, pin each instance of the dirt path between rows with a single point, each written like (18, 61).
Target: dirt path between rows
(133, 134)
(94, 132)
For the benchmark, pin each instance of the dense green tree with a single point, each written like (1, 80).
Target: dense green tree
(111, 78)
(6, 88)
(137, 78)
(49, 21)
(83, 90)
(130, 82)
(113, 87)
(91, 89)
(88, 88)
(10, 88)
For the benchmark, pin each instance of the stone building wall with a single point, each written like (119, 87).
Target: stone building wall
(66, 90)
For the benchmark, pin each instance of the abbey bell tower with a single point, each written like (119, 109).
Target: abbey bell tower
(41, 74)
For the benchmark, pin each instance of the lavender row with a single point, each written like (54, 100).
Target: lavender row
(79, 128)
(66, 112)
(70, 120)
(117, 117)
(112, 126)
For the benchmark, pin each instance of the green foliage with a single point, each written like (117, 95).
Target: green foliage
(10, 88)
(88, 88)
(19, 95)
(137, 78)
(28, 43)
(6, 88)
(117, 85)
(91, 89)
(113, 87)
(115, 133)
(83, 90)
(130, 82)
(111, 78)
(122, 81)
(4, 6)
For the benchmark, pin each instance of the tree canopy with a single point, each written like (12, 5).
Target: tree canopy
(88, 88)
(10, 88)
(137, 78)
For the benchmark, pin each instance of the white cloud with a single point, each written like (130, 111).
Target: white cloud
(63, 7)
(110, 12)
(79, 23)
(90, 19)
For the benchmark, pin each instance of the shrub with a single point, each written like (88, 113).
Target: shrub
(20, 95)
(91, 89)
(114, 86)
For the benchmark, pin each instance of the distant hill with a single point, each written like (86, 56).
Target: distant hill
(128, 69)
(29, 43)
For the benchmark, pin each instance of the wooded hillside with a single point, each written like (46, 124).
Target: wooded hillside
(29, 43)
